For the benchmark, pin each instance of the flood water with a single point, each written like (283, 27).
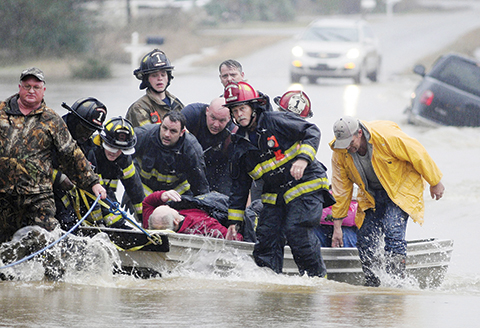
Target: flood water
(197, 296)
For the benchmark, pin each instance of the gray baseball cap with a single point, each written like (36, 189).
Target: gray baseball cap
(34, 72)
(343, 129)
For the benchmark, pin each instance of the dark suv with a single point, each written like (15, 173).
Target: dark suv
(449, 94)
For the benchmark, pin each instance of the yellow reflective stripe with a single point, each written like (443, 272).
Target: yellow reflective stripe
(308, 150)
(272, 163)
(147, 121)
(96, 215)
(304, 188)
(183, 187)
(111, 218)
(269, 198)
(235, 215)
(164, 178)
(54, 175)
(147, 190)
(66, 200)
(138, 208)
(129, 171)
(108, 183)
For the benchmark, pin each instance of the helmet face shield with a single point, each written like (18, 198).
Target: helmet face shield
(82, 132)
(117, 134)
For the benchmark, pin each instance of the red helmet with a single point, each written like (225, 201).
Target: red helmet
(237, 93)
(295, 101)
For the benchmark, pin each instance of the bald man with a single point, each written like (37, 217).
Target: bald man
(212, 126)
(159, 216)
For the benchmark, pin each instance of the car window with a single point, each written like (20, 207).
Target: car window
(461, 74)
(331, 34)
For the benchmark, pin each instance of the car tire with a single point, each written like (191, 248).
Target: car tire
(374, 75)
(409, 113)
(295, 78)
(361, 75)
(357, 79)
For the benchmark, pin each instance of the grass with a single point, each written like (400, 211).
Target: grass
(181, 42)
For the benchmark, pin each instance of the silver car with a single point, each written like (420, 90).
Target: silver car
(336, 48)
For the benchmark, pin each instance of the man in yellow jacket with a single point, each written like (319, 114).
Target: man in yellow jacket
(389, 168)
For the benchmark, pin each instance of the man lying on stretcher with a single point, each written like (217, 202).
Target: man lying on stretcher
(160, 216)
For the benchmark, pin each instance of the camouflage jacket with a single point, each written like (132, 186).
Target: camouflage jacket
(27, 144)
(147, 109)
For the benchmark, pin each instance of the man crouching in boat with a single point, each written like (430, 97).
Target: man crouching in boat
(30, 133)
(159, 216)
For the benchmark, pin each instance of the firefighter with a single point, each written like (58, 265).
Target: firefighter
(155, 72)
(113, 162)
(212, 126)
(167, 157)
(84, 118)
(279, 148)
(295, 101)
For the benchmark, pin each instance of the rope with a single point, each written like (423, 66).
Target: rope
(55, 242)
(115, 209)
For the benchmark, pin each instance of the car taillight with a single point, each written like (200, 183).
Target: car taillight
(427, 98)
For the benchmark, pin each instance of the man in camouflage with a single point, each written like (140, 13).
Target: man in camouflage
(29, 133)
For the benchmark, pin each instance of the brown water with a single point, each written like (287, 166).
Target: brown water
(197, 295)
(254, 299)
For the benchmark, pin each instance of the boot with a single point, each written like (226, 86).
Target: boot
(396, 266)
(371, 278)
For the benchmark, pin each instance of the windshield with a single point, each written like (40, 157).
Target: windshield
(331, 34)
(461, 74)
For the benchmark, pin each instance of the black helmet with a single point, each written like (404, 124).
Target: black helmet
(154, 61)
(91, 112)
(118, 133)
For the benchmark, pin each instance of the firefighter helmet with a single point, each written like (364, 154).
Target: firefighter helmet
(154, 61)
(91, 112)
(117, 134)
(237, 93)
(295, 101)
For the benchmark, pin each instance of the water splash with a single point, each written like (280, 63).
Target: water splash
(74, 259)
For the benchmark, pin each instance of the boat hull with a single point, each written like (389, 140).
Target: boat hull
(427, 260)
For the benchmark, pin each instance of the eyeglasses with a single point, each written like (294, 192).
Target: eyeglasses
(27, 87)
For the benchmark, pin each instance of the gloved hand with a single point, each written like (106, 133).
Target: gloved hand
(120, 224)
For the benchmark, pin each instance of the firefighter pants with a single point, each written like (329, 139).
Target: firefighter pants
(291, 223)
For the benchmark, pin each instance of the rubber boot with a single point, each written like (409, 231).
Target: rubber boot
(369, 268)
(396, 265)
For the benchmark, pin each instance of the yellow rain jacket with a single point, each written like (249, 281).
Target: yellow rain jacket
(401, 164)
